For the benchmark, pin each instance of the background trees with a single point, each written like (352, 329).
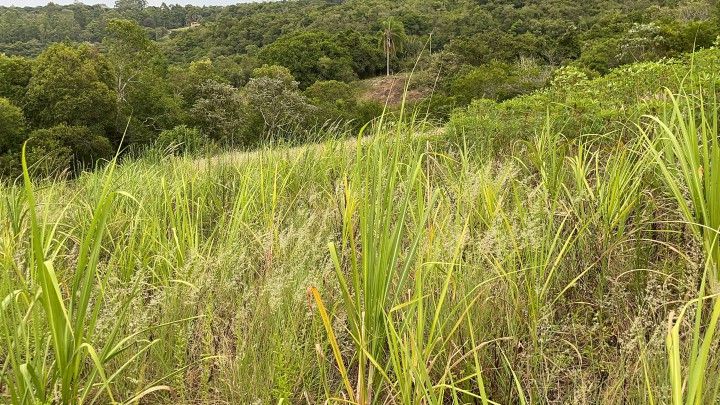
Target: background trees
(221, 112)
(274, 95)
(12, 126)
(392, 38)
(311, 56)
(131, 72)
(15, 74)
(68, 147)
(71, 85)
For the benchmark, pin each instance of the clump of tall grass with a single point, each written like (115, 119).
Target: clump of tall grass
(49, 318)
(689, 157)
(687, 150)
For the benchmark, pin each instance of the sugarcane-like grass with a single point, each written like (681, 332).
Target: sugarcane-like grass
(395, 267)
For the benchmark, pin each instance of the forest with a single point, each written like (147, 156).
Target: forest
(361, 202)
(82, 81)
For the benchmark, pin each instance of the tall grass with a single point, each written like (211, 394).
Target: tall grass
(49, 322)
(688, 155)
(395, 268)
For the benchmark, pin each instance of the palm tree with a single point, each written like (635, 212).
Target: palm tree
(392, 39)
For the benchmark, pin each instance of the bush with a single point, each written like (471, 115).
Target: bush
(222, 114)
(67, 147)
(180, 140)
(338, 102)
(335, 101)
(499, 80)
(12, 126)
(46, 155)
(437, 107)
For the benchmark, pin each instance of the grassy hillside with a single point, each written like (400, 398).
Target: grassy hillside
(80, 80)
(548, 249)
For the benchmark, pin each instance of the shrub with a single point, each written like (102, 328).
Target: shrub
(46, 155)
(274, 98)
(12, 126)
(568, 76)
(181, 139)
(68, 147)
(499, 80)
(221, 113)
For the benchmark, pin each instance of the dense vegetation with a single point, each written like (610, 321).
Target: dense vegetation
(548, 249)
(239, 75)
(535, 218)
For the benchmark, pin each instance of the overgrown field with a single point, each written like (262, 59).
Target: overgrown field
(413, 266)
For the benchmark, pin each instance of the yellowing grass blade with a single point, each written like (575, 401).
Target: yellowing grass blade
(333, 341)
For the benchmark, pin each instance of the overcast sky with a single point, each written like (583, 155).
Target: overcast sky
(22, 3)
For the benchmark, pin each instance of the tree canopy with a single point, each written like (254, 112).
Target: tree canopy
(240, 74)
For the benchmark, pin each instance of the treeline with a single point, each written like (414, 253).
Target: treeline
(80, 80)
(27, 31)
(601, 33)
(77, 104)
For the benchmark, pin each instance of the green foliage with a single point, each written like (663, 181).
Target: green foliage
(337, 102)
(221, 113)
(277, 72)
(149, 105)
(607, 104)
(72, 86)
(273, 96)
(141, 68)
(143, 96)
(15, 73)
(310, 56)
(186, 81)
(63, 359)
(568, 76)
(687, 150)
(12, 126)
(529, 252)
(46, 156)
(180, 140)
(392, 39)
(367, 58)
(499, 81)
(83, 148)
(600, 54)
(130, 5)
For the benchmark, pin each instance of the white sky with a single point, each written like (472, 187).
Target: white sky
(22, 3)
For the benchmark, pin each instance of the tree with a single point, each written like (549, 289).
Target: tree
(64, 149)
(129, 51)
(70, 85)
(143, 97)
(186, 81)
(15, 73)
(12, 126)
(275, 96)
(392, 39)
(84, 147)
(134, 5)
(367, 59)
(221, 113)
(310, 56)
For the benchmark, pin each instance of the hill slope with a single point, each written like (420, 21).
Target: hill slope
(528, 260)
